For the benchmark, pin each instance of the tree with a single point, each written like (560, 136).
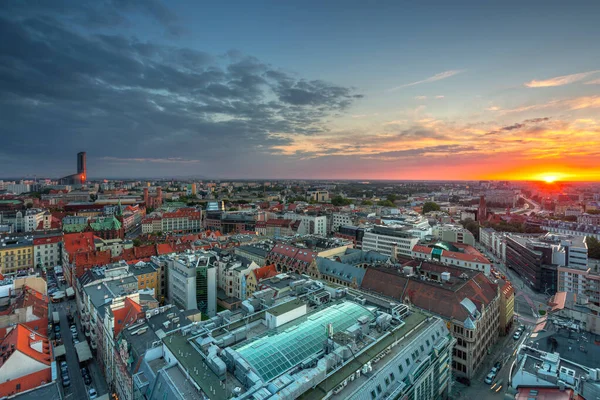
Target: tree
(137, 242)
(385, 203)
(430, 206)
(367, 203)
(340, 201)
(471, 226)
(593, 246)
(392, 198)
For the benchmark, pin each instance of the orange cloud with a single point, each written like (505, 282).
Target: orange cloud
(560, 80)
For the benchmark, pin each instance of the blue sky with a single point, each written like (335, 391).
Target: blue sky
(303, 89)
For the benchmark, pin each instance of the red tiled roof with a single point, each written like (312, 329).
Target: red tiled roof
(92, 258)
(26, 382)
(126, 315)
(163, 248)
(48, 240)
(279, 222)
(265, 272)
(465, 257)
(441, 300)
(422, 249)
(22, 337)
(78, 243)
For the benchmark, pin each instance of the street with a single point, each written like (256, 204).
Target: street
(505, 351)
(135, 232)
(77, 390)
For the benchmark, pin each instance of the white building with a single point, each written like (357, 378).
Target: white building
(32, 219)
(310, 224)
(18, 188)
(231, 275)
(387, 239)
(47, 250)
(192, 279)
(494, 242)
(453, 233)
(340, 219)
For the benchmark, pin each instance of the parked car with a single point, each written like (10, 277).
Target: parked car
(73, 329)
(93, 393)
(87, 379)
(517, 335)
(63, 367)
(66, 381)
(57, 336)
(489, 378)
(56, 328)
(498, 365)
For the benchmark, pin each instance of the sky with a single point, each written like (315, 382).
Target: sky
(301, 89)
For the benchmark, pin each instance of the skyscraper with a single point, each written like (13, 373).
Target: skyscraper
(81, 176)
(81, 167)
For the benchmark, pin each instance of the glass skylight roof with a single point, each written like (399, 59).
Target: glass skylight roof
(273, 354)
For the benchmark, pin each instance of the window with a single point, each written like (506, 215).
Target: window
(378, 389)
(373, 395)
(392, 377)
(428, 344)
(387, 381)
(400, 368)
(407, 362)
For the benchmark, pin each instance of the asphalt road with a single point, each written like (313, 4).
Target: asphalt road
(137, 231)
(78, 390)
(505, 350)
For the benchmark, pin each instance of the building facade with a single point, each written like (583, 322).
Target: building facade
(16, 255)
(389, 241)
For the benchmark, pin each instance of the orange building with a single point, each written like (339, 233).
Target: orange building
(25, 358)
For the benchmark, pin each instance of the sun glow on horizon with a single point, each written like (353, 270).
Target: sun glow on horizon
(549, 178)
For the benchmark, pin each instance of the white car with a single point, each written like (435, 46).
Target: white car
(517, 335)
(93, 394)
(489, 378)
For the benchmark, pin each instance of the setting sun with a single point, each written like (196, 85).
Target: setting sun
(549, 178)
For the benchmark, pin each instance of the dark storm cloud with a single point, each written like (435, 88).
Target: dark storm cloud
(121, 97)
(97, 14)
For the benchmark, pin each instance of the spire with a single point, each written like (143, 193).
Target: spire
(119, 212)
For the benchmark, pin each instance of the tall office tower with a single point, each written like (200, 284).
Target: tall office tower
(81, 167)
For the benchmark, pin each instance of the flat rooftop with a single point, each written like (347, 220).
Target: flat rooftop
(285, 307)
(332, 381)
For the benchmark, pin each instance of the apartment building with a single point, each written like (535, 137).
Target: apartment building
(192, 281)
(16, 254)
(389, 240)
(467, 300)
(455, 254)
(341, 219)
(47, 249)
(309, 224)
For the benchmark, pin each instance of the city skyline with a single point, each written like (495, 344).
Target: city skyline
(337, 91)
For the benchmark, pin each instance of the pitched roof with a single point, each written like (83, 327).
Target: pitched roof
(22, 338)
(345, 272)
(265, 272)
(126, 315)
(78, 243)
(163, 248)
(444, 300)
